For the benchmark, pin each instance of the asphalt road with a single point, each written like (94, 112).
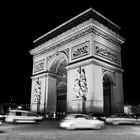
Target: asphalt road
(50, 130)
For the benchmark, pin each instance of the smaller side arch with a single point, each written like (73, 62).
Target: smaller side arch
(108, 83)
(110, 75)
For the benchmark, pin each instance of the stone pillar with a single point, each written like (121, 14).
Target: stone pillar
(50, 99)
(97, 89)
(33, 105)
(38, 93)
(118, 103)
(75, 97)
(93, 102)
(79, 105)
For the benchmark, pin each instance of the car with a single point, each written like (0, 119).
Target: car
(117, 119)
(22, 116)
(81, 121)
(137, 116)
(0, 122)
(2, 117)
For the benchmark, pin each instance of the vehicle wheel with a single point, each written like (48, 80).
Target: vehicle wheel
(71, 127)
(97, 127)
(137, 123)
(14, 121)
(115, 123)
(36, 121)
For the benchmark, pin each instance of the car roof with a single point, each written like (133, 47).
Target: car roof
(120, 115)
(76, 114)
(17, 110)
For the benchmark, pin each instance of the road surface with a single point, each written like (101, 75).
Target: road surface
(50, 130)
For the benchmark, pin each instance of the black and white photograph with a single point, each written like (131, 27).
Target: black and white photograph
(70, 70)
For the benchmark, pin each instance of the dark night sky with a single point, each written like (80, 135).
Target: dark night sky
(21, 23)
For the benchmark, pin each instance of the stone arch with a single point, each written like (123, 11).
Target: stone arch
(110, 75)
(56, 59)
(57, 66)
(61, 96)
(108, 82)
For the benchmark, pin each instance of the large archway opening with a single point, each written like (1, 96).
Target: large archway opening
(107, 84)
(58, 67)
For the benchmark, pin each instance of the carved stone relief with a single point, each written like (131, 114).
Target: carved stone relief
(84, 31)
(39, 66)
(37, 91)
(80, 50)
(107, 53)
(80, 84)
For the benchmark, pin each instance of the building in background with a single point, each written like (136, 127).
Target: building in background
(77, 67)
(132, 109)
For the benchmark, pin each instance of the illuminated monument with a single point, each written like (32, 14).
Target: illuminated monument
(77, 67)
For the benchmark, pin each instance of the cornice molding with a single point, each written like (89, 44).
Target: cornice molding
(83, 29)
(93, 60)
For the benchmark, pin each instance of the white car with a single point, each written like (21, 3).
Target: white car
(138, 117)
(22, 116)
(80, 121)
(0, 122)
(121, 119)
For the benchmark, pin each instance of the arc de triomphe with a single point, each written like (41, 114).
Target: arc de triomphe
(77, 67)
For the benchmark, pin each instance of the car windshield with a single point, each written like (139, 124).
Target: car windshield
(19, 113)
(32, 114)
(83, 116)
(76, 116)
(121, 115)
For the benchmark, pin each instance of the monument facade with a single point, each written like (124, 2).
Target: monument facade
(77, 67)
